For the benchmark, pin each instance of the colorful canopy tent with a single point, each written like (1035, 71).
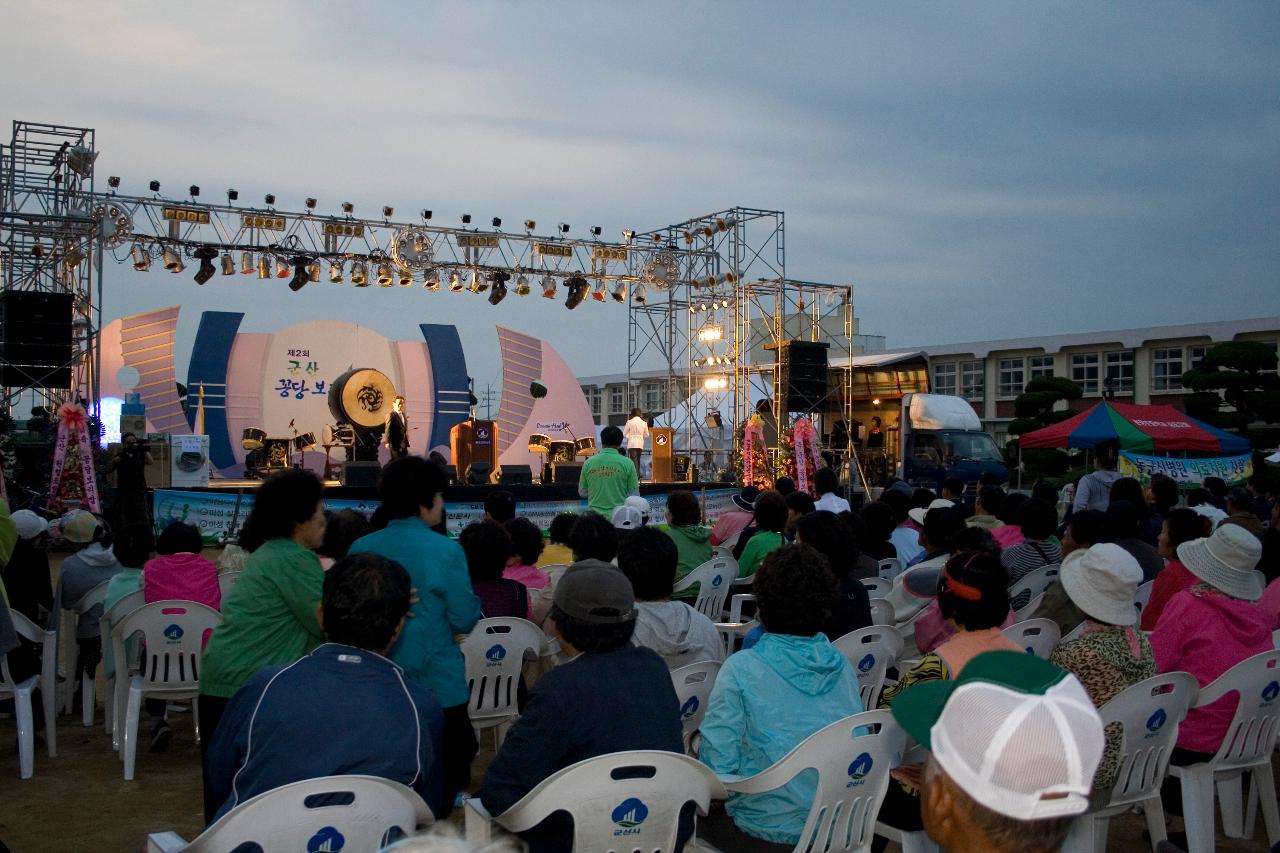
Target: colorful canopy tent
(1139, 428)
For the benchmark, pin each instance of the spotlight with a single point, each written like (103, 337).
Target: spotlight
(282, 268)
(522, 285)
(114, 182)
(313, 270)
(228, 264)
(37, 250)
(194, 190)
(564, 227)
(141, 257)
(270, 199)
(310, 203)
(499, 288)
(466, 219)
(173, 261)
(155, 186)
(628, 235)
(300, 274)
(205, 254)
(455, 283)
(360, 274)
(388, 211)
(598, 290)
(595, 230)
(577, 291)
(406, 277)
(639, 294)
(497, 222)
(426, 214)
(335, 272)
(80, 159)
(548, 287)
(431, 280)
(477, 284)
(384, 274)
(233, 196)
(264, 266)
(620, 292)
(529, 225)
(246, 263)
(348, 208)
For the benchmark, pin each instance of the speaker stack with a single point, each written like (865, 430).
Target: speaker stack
(803, 375)
(35, 339)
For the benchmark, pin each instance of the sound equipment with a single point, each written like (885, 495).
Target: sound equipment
(35, 339)
(363, 475)
(451, 473)
(802, 369)
(478, 473)
(663, 440)
(566, 473)
(680, 469)
(515, 475)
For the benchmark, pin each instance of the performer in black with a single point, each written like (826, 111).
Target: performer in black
(396, 433)
(133, 503)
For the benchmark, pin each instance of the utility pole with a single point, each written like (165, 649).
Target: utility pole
(487, 399)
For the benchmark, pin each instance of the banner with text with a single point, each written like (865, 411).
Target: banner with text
(1188, 473)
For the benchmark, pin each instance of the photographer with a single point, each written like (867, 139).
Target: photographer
(133, 505)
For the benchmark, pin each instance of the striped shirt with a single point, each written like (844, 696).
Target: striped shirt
(1024, 558)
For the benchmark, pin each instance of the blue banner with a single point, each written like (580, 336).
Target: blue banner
(1189, 473)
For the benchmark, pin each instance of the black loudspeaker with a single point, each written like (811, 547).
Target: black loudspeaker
(515, 475)
(35, 339)
(803, 375)
(478, 473)
(566, 472)
(451, 472)
(361, 475)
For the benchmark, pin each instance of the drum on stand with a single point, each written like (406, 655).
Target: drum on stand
(304, 441)
(539, 443)
(252, 438)
(562, 451)
(585, 446)
(362, 397)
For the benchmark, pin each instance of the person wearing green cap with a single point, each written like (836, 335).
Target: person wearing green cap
(1014, 742)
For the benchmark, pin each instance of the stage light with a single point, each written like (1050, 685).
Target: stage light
(114, 182)
(716, 383)
(577, 286)
(313, 270)
(37, 250)
(282, 268)
(264, 266)
(310, 203)
(384, 274)
(595, 230)
(300, 274)
(466, 219)
(499, 292)
(270, 199)
(529, 225)
(173, 261)
(80, 159)
(360, 274)
(522, 285)
(620, 292)
(388, 211)
(629, 235)
(708, 334)
(431, 280)
(640, 294)
(228, 264)
(246, 263)
(335, 272)
(548, 287)
(598, 290)
(406, 277)
(564, 227)
(155, 186)
(455, 283)
(205, 254)
(348, 208)
(497, 222)
(194, 190)
(141, 257)
(73, 258)
(233, 196)
(477, 283)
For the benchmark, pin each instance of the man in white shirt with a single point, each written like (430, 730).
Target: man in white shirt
(826, 484)
(634, 434)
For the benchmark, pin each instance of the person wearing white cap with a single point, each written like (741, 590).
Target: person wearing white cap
(1110, 653)
(627, 518)
(26, 575)
(1013, 742)
(1209, 628)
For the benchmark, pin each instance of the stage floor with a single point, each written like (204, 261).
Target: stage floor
(459, 493)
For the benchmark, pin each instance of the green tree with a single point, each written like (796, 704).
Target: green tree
(1033, 410)
(1232, 376)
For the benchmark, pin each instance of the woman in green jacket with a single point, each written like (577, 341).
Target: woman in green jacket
(684, 526)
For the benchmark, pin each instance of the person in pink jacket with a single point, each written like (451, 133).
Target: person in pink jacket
(181, 571)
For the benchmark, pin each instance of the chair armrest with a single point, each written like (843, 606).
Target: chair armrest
(165, 842)
(735, 605)
(769, 779)
(479, 824)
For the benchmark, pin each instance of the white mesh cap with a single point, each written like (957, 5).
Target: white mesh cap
(1026, 755)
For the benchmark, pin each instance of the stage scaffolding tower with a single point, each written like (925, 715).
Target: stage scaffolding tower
(49, 242)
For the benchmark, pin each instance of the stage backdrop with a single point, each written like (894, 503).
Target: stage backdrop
(563, 414)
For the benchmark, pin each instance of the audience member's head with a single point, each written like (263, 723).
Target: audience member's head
(784, 486)
(526, 540)
(990, 479)
(1102, 581)
(286, 506)
(649, 559)
(1199, 496)
(82, 528)
(879, 519)
(1226, 561)
(1217, 487)
(973, 590)
(133, 546)
(611, 436)
(1239, 501)
(1259, 483)
(1164, 493)
(641, 504)
(626, 517)
(412, 487)
(31, 528)
(989, 500)
(941, 526)
(976, 539)
(1180, 525)
(857, 529)
(1124, 520)
(798, 504)
(1014, 744)
(1106, 455)
(826, 533)
(794, 590)
(953, 488)
(898, 502)
(745, 500)
(561, 526)
(1045, 491)
(826, 482)
(1011, 507)
(593, 609)
(593, 538)
(922, 497)
(1087, 527)
(488, 547)
(918, 513)
(178, 537)
(500, 506)
(771, 512)
(365, 601)
(1129, 489)
(683, 509)
(1037, 519)
(341, 530)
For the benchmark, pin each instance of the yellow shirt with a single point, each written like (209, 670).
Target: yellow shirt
(555, 554)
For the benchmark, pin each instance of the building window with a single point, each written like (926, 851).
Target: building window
(1195, 355)
(944, 379)
(1275, 347)
(1120, 371)
(653, 398)
(972, 379)
(1040, 366)
(615, 400)
(1012, 376)
(593, 400)
(1166, 369)
(1084, 371)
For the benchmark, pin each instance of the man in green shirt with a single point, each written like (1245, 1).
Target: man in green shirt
(608, 478)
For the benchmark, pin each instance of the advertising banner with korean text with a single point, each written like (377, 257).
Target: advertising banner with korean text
(1188, 473)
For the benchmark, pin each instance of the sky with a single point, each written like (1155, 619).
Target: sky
(975, 170)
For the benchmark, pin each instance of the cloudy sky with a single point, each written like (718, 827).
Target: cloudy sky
(975, 170)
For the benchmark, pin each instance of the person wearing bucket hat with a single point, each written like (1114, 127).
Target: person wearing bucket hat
(736, 518)
(1013, 742)
(1212, 626)
(1110, 653)
(26, 574)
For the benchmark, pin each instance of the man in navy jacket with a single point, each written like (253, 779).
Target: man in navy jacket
(343, 709)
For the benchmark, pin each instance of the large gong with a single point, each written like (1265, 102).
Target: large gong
(362, 397)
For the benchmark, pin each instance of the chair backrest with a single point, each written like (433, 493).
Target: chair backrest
(870, 651)
(890, 568)
(623, 801)
(1142, 596)
(123, 606)
(713, 579)
(1036, 582)
(92, 598)
(1149, 713)
(1024, 613)
(881, 612)
(30, 631)
(174, 634)
(877, 587)
(493, 654)
(329, 813)
(1252, 733)
(853, 757)
(1038, 636)
(693, 685)
(226, 581)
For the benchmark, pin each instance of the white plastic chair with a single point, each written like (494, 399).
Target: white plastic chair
(852, 758)
(1246, 750)
(21, 692)
(713, 579)
(890, 568)
(870, 651)
(110, 618)
(1034, 585)
(226, 581)
(881, 612)
(329, 813)
(1142, 596)
(70, 619)
(1038, 636)
(1149, 714)
(877, 587)
(494, 654)
(173, 633)
(1024, 613)
(693, 685)
(622, 801)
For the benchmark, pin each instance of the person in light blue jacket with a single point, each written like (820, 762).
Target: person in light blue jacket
(412, 494)
(769, 698)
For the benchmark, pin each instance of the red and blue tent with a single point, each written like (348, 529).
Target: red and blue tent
(1138, 428)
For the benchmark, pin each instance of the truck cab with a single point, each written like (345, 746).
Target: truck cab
(941, 436)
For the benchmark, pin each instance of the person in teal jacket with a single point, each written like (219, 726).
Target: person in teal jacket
(412, 494)
(769, 698)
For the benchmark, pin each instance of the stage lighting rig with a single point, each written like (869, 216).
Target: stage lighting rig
(155, 186)
(497, 222)
(431, 280)
(114, 182)
(313, 270)
(348, 208)
(595, 230)
(80, 160)
(466, 219)
(205, 254)
(578, 287)
(233, 196)
(388, 211)
(384, 274)
(282, 268)
(629, 236)
(548, 287)
(620, 292)
(301, 275)
(246, 263)
(194, 190)
(228, 264)
(264, 266)
(529, 225)
(310, 203)
(477, 283)
(360, 274)
(499, 292)
(270, 199)
(522, 285)
(141, 257)
(426, 215)
(173, 261)
(455, 283)
(564, 227)
(335, 272)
